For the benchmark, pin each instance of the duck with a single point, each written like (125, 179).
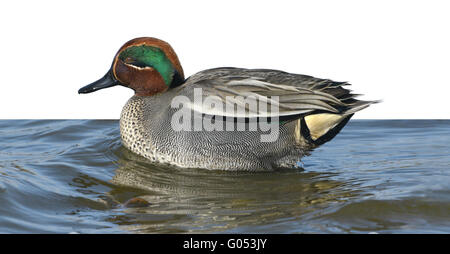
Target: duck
(167, 120)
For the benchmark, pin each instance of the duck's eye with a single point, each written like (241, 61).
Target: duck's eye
(128, 60)
(131, 61)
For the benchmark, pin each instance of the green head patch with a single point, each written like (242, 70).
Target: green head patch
(148, 56)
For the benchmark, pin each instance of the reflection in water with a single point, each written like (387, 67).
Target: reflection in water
(208, 201)
(75, 176)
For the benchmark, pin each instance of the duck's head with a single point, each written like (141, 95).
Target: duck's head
(146, 65)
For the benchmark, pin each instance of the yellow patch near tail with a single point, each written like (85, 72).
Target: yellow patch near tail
(320, 124)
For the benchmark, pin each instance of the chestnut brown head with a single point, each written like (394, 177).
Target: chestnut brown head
(146, 65)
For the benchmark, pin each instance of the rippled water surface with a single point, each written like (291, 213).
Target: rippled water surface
(61, 176)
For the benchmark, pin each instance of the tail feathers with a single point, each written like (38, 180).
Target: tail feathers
(358, 105)
(318, 129)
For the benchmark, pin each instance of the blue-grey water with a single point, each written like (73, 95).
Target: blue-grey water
(66, 176)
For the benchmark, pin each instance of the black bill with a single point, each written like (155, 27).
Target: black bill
(107, 81)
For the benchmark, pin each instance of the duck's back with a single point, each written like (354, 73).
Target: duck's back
(311, 112)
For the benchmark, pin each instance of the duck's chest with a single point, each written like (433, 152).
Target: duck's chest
(133, 131)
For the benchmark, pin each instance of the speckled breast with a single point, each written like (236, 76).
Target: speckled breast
(133, 130)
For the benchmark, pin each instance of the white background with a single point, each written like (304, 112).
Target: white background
(396, 51)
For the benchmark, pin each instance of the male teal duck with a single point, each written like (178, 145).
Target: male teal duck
(307, 111)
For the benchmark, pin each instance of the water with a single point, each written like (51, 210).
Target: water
(63, 176)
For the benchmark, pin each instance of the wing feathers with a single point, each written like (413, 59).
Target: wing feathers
(292, 94)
